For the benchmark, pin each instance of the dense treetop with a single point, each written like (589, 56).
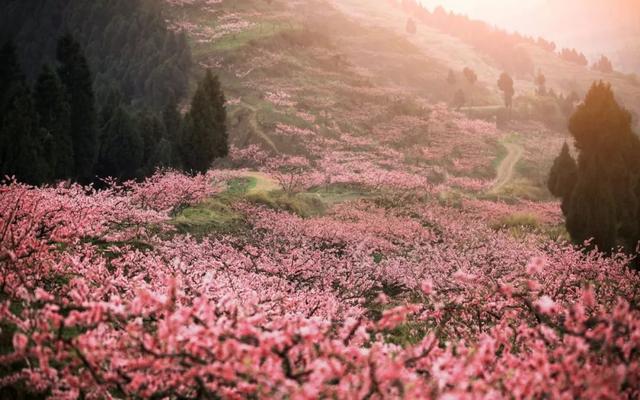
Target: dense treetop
(127, 44)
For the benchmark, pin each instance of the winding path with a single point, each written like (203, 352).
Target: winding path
(255, 125)
(506, 169)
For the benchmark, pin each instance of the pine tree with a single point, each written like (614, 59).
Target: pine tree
(563, 176)
(172, 120)
(205, 136)
(604, 203)
(153, 134)
(54, 114)
(122, 150)
(591, 213)
(541, 82)
(21, 140)
(505, 84)
(76, 77)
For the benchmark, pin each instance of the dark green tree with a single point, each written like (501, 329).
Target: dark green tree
(563, 177)
(205, 135)
(603, 205)
(153, 135)
(591, 214)
(76, 77)
(172, 120)
(54, 113)
(21, 140)
(122, 150)
(505, 84)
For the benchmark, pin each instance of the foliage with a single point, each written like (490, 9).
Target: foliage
(127, 44)
(205, 136)
(599, 195)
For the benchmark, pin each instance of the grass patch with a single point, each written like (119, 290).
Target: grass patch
(517, 220)
(215, 215)
(302, 204)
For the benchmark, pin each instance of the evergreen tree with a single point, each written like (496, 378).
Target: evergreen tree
(604, 202)
(505, 84)
(122, 150)
(76, 77)
(205, 136)
(21, 140)
(153, 135)
(470, 75)
(563, 176)
(591, 212)
(172, 120)
(54, 114)
(541, 82)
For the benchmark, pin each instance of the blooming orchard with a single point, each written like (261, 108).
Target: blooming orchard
(101, 297)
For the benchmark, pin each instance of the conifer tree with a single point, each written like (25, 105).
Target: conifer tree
(603, 204)
(172, 120)
(205, 136)
(122, 149)
(54, 113)
(505, 84)
(21, 140)
(76, 77)
(563, 176)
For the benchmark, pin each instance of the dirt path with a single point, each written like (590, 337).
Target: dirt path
(253, 122)
(506, 169)
(264, 183)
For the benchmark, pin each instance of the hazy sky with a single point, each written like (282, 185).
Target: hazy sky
(591, 25)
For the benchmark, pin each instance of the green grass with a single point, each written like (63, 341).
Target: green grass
(302, 204)
(517, 220)
(215, 215)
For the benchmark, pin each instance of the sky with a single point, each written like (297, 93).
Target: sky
(593, 26)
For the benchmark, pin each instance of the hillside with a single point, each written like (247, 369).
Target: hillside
(364, 237)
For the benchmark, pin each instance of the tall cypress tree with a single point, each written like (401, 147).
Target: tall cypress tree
(54, 114)
(122, 147)
(563, 177)
(205, 136)
(21, 141)
(172, 121)
(76, 77)
(604, 203)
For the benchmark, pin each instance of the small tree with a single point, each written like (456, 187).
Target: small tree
(505, 84)
(603, 65)
(563, 176)
(541, 82)
(470, 75)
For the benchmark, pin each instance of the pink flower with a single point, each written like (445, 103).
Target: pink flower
(427, 286)
(545, 304)
(20, 343)
(536, 265)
